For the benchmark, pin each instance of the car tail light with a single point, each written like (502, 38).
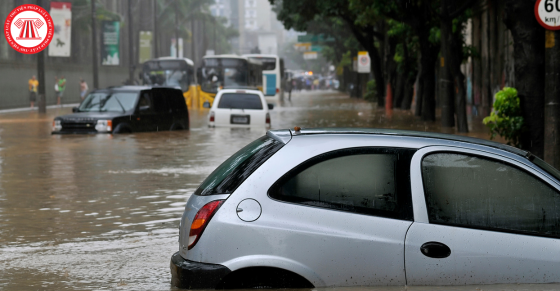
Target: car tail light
(211, 116)
(267, 118)
(201, 220)
(277, 90)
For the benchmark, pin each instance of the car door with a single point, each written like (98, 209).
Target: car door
(481, 218)
(146, 115)
(163, 117)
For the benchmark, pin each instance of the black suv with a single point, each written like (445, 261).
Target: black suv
(126, 109)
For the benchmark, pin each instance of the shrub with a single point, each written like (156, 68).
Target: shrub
(505, 119)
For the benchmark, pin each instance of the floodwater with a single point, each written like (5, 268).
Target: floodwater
(101, 212)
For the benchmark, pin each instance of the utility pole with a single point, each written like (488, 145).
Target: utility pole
(215, 47)
(41, 76)
(130, 45)
(552, 98)
(176, 29)
(94, 46)
(154, 39)
(204, 45)
(193, 47)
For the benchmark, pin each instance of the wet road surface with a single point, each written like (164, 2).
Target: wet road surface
(101, 212)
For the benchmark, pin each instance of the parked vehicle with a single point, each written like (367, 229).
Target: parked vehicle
(126, 109)
(239, 108)
(273, 75)
(358, 207)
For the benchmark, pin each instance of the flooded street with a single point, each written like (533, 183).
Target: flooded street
(101, 212)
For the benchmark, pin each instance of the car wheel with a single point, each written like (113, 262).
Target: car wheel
(122, 128)
(177, 126)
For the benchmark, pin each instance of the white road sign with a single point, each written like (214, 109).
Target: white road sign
(547, 13)
(364, 62)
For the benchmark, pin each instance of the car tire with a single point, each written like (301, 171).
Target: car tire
(122, 128)
(177, 126)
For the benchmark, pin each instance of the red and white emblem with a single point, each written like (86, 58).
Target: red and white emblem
(29, 29)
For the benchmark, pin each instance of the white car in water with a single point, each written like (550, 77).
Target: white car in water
(239, 108)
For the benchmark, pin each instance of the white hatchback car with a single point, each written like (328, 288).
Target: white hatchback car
(239, 108)
(362, 207)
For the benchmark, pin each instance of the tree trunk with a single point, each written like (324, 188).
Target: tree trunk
(528, 55)
(408, 92)
(446, 86)
(456, 58)
(376, 68)
(427, 79)
(399, 90)
(419, 91)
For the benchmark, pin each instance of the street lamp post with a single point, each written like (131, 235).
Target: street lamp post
(41, 76)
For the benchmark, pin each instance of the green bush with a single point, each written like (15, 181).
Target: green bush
(505, 119)
(371, 94)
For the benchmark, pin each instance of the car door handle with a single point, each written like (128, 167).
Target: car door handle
(435, 249)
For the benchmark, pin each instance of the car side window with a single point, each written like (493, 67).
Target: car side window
(477, 192)
(372, 181)
(145, 103)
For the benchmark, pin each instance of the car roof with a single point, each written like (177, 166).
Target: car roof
(240, 90)
(133, 88)
(189, 61)
(285, 135)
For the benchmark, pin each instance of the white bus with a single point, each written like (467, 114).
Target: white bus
(273, 75)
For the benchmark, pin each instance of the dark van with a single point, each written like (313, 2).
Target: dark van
(126, 109)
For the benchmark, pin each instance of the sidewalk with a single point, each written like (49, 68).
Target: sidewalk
(36, 108)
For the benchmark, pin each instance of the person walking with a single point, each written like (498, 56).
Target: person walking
(61, 88)
(33, 85)
(56, 91)
(83, 89)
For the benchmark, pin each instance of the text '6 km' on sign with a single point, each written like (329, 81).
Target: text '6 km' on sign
(547, 13)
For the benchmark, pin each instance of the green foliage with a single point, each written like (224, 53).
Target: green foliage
(506, 120)
(371, 93)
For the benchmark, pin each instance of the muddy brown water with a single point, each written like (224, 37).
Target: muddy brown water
(101, 212)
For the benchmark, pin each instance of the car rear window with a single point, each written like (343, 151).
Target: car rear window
(231, 173)
(240, 101)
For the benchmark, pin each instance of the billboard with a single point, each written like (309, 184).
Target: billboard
(61, 13)
(110, 54)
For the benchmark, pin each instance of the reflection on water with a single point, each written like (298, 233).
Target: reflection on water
(101, 212)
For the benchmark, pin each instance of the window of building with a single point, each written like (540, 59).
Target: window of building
(373, 181)
(250, 13)
(477, 192)
(250, 3)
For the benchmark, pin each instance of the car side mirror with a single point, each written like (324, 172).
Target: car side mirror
(270, 106)
(75, 109)
(206, 104)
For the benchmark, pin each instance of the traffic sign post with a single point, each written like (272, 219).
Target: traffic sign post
(547, 13)
(363, 62)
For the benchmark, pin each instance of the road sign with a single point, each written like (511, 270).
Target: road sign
(547, 13)
(302, 46)
(314, 38)
(310, 55)
(363, 62)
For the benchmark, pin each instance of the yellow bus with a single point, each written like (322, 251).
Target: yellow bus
(172, 72)
(226, 71)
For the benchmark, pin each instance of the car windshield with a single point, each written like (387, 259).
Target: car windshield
(231, 173)
(109, 101)
(240, 101)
